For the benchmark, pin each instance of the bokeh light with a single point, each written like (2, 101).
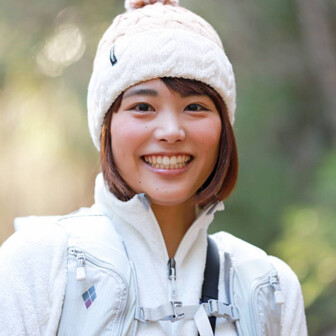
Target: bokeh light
(63, 48)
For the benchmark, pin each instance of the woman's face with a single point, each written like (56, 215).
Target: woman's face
(165, 144)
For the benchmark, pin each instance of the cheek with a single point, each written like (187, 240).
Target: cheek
(208, 135)
(208, 139)
(127, 135)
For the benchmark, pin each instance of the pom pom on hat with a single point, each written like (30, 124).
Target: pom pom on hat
(131, 5)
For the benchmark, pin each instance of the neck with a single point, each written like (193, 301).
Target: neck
(174, 222)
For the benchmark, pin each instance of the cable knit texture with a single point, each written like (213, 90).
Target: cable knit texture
(156, 41)
(33, 271)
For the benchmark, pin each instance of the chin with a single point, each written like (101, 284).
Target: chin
(165, 199)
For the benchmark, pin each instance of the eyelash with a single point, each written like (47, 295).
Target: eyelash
(199, 108)
(149, 108)
(136, 107)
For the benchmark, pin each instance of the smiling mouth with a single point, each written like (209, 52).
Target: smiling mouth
(165, 162)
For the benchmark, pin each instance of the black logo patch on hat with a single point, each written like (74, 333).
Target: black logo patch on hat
(113, 57)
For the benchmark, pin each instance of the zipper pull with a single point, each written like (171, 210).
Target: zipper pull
(80, 271)
(172, 277)
(278, 297)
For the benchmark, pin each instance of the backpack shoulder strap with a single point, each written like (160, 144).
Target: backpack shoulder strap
(211, 277)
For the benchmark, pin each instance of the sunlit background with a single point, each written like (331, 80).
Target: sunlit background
(283, 54)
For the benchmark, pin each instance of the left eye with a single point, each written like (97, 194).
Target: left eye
(195, 108)
(142, 107)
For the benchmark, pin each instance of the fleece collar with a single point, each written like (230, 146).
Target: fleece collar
(139, 217)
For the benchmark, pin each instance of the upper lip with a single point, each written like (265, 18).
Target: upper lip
(168, 154)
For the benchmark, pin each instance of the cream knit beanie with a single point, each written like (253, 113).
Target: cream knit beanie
(156, 38)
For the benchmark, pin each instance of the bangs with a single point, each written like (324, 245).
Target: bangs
(188, 87)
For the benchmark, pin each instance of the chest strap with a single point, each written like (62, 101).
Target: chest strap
(175, 310)
(206, 312)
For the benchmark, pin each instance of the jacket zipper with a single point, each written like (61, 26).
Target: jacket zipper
(171, 270)
(172, 278)
(173, 292)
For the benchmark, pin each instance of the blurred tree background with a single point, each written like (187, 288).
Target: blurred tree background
(283, 53)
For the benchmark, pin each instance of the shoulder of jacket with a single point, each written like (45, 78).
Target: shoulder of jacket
(33, 269)
(89, 226)
(35, 255)
(35, 238)
(286, 274)
(39, 237)
(242, 251)
(239, 249)
(29, 222)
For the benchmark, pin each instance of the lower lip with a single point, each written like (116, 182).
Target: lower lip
(168, 172)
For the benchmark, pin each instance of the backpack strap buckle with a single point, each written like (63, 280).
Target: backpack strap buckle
(176, 316)
(171, 311)
(220, 309)
(140, 314)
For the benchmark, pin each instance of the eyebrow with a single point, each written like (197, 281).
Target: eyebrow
(190, 94)
(154, 93)
(141, 92)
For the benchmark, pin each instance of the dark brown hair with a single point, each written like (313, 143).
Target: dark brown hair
(223, 178)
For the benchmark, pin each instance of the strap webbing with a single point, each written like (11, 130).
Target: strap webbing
(202, 322)
(211, 277)
(175, 311)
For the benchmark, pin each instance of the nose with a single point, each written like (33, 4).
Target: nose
(169, 128)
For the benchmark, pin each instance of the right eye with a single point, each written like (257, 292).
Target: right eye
(142, 107)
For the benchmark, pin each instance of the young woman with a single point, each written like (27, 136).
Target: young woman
(161, 105)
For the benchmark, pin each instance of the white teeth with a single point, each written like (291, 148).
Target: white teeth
(165, 162)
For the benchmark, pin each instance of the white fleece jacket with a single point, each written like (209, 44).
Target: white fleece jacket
(33, 271)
